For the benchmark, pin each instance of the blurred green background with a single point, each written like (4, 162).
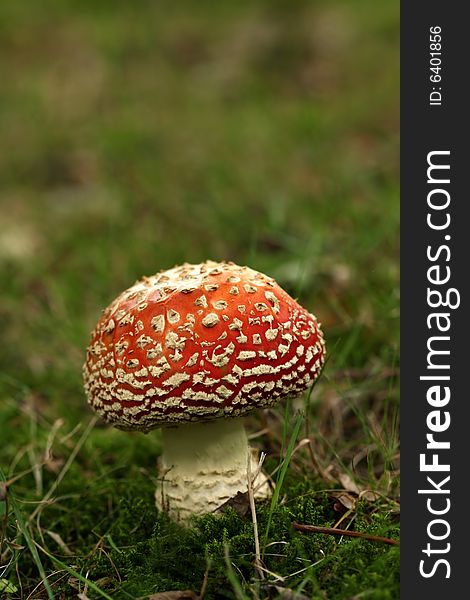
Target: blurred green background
(139, 135)
(136, 136)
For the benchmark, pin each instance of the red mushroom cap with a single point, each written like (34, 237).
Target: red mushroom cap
(199, 342)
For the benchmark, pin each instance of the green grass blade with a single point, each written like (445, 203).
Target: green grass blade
(76, 574)
(236, 585)
(23, 527)
(283, 470)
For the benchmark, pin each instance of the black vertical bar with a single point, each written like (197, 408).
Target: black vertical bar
(435, 259)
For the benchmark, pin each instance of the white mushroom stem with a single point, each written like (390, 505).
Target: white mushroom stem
(204, 465)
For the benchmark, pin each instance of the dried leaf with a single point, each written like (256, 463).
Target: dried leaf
(348, 484)
(345, 499)
(280, 593)
(369, 495)
(175, 595)
(240, 502)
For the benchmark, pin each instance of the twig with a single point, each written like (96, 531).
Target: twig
(205, 582)
(335, 531)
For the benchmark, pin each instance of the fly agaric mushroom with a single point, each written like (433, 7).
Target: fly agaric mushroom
(193, 349)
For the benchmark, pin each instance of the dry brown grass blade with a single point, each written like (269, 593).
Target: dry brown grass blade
(60, 542)
(250, 479)
(65, 468)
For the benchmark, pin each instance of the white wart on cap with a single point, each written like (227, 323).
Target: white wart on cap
(197, 343)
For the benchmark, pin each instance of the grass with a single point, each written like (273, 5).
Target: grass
(283, 466)
(136, 136)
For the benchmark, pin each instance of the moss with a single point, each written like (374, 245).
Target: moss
(105, 514)
(142, 552)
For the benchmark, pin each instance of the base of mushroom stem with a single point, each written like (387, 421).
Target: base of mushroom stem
(204, 465)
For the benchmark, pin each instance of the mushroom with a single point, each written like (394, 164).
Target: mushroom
(192, 350)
